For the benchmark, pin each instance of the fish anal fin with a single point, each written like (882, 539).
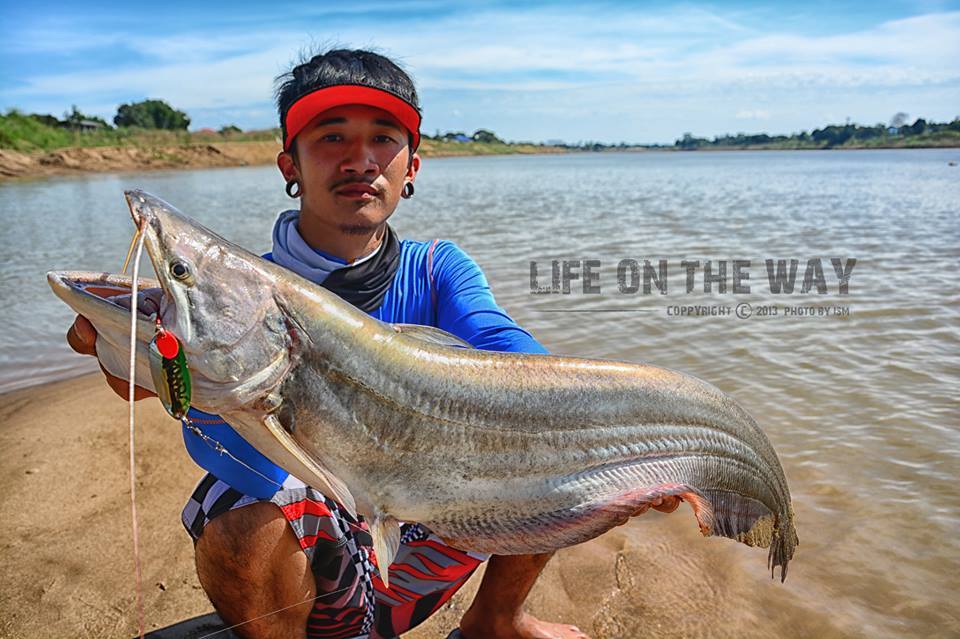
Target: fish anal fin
(665, 498)
(385, 531)
(546, 531)
(703, 510)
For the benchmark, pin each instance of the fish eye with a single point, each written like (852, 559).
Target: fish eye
(179, 270)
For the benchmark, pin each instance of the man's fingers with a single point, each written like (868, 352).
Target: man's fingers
(122, 387)
(82, 336)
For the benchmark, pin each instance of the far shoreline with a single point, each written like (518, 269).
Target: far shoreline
(79, 161)
(17, 165)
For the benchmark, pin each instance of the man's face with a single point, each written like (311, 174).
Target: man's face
(352, 162)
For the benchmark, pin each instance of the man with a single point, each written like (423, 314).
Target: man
(264, 541)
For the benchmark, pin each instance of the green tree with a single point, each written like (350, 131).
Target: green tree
(833, 135)
(151, 114)
(230, 129)
(46, 119)
(867, 132)
(917, 127)
(483, 135)
(690, 142)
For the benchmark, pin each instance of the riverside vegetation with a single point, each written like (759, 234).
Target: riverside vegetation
(33, 133)
(152, 134)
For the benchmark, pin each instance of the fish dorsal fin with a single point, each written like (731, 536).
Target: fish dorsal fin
(431, 335)
(330, 485)
(385, 531)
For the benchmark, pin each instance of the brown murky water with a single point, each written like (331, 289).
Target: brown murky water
(862, 406)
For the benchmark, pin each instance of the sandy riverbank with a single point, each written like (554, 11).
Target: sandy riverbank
(100, 159)
(134, 158)
(65, 542)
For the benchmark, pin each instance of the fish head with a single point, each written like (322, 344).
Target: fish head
(217, 300)
(244, 323)
(240, 320)
(215, 297)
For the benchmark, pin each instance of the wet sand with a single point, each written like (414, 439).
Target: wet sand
(68, 570)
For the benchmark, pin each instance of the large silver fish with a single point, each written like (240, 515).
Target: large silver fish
(495, 452)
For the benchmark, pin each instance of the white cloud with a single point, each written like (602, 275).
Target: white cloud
(555, 61)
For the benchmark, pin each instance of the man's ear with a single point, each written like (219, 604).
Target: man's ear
(413, 166)
(287, 164)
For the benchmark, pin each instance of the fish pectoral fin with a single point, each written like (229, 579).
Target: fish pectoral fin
(386, 540)
(329, 484)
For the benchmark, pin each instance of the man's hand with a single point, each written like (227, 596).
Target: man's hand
(82, 338)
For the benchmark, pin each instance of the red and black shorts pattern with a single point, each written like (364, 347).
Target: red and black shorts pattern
(424, 575)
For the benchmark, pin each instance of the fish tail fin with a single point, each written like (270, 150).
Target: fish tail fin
(784, 544)
(750, 522)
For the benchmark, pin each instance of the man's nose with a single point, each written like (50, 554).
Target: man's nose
(359, 159)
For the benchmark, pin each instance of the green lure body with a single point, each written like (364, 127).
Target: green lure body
(171, 377)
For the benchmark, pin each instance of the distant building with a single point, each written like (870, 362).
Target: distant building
(455, 136)
(893, 130)
(87, 125)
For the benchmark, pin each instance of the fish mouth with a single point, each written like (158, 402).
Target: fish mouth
(101, 295)
(104, 299)
(109, 293)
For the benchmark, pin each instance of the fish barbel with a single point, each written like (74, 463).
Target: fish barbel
(502, 453)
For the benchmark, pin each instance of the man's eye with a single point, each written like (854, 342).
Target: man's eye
(383, 139)
(332, 137)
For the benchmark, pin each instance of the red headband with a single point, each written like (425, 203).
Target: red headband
(313, 104)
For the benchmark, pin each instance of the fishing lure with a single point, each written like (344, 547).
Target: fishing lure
(171, 377)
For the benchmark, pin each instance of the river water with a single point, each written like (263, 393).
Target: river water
(858, 391)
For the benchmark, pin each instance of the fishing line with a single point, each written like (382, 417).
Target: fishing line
(221, 449)
(136, 249)
(138, 241)
(133, 243)
(299, 603)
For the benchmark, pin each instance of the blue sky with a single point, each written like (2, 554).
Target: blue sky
(605, 71)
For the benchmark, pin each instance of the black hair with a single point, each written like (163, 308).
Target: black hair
(343, 66)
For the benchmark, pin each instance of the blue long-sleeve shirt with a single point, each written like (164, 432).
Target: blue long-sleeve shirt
(456, 299)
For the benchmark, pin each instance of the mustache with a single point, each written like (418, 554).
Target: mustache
(356, 179)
